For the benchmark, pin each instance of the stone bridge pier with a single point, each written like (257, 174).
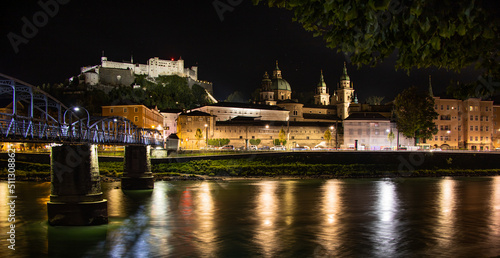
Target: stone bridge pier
(76, 198)
(137, 168)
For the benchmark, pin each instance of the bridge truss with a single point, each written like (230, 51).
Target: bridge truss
(28, 114)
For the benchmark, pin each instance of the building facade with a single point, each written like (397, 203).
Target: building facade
(140, 115)
(467, 124)
(187, 125)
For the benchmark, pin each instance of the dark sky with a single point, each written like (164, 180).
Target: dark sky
(232, 53)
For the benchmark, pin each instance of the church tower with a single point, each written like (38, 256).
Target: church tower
(266, 93)
(344, 94)
(322, 97)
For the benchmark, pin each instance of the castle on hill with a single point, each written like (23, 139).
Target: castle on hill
(112, 73)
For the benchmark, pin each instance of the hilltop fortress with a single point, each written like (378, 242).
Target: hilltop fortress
(114, 73)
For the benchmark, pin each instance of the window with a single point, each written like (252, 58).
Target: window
(486, 117)
(486, 109)
(200, 119)
(447, 138)
(477, 118)
(111, 110)
(481, 128)
(486, 138)
(253, 137)
(471, 118)
(471, 108)
(476, 128)
(487, 128)
(295, 112)
(241, 137)
(441, 107)
(189, 119)
(136, 119)
(472, 128)
(481, 138)
(460, 128)
(307, 138)
(435, 138)
(441, 138)
(481, 118)
(270, 137)
(124, 110)
(136, 110)
(293, 137)
(471, 138)
(476, 139)
(447, 107)
(459, 138)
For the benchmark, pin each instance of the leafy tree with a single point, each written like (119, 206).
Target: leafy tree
(415, 114)
(391, 137)
(423, 33)
(281, 137)
(328, 136)
(218, 142)
(279, 142)
(254, 141)
(374, 100)
(198, 135)
(236, 96)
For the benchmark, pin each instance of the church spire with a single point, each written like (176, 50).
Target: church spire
(321, 80)
(430, 87)
(277, 72)
(344, 76)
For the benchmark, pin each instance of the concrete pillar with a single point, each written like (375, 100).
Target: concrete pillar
(137, 168)
(76, 198)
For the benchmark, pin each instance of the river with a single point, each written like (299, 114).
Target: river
(435, 217)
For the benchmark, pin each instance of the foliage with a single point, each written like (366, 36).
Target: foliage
(374, 100)
(327, 135)
(483, 88)
(282, 136)
(164, 92)
(391, 137)
(423, 33)
(236, 96)
(254, 141)
(218, 142)
(415, 114)
(277, 142)
(198, 135)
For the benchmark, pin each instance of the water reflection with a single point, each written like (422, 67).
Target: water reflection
(330, 235)
(205, 232)
(446, 213)
(494, 221)
(386, 235)
(266, 213)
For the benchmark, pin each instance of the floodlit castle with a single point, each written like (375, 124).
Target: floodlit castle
(122, 73)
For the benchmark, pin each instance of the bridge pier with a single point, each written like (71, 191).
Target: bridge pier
(137, 168)
(76, 198)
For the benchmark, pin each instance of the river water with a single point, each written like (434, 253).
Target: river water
(434, 217)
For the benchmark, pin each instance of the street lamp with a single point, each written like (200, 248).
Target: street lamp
(76, 109)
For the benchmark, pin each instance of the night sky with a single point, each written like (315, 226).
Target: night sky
(232, 53)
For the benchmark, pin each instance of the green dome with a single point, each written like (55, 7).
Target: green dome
(344, 76)
(280, 84)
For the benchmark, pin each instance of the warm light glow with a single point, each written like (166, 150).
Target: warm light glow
(446, 217)
(160, 127)
(448, 131)
(331, 127)
(206, 125)
(76, 109)
(267, 126)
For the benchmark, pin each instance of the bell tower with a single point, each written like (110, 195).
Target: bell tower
(322, 97)
(344, 94)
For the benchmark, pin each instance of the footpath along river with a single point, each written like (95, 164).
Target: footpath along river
(398, 217)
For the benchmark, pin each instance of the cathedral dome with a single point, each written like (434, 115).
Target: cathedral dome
(280, 84)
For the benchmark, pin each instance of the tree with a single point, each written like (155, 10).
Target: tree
(198, 135)
(423, 33)
(282, 136)
(254, 141)
(374, 100)
(415, 114)
(391, 137)
(236, 96)
(328, 136)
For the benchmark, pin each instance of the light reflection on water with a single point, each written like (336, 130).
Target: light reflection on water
(273, 218)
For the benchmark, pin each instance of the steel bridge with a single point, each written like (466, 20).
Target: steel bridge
(28, 114)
